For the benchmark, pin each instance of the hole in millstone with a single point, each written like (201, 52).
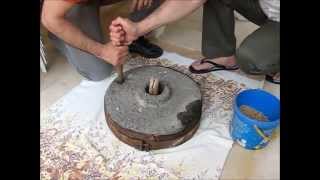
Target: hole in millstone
(161, 87)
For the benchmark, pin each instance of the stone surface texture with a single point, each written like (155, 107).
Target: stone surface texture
(132, 107)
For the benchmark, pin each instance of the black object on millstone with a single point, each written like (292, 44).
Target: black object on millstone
(147, 121)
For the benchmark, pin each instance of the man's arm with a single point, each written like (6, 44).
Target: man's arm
(169, 11)
(53, 18)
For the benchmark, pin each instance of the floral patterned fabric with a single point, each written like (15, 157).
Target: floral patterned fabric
(76, 142)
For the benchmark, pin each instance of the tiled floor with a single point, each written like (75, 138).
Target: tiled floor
(241, 163)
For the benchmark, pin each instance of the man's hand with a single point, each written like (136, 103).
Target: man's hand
(123, 31)
(140, 4)
(113, 54)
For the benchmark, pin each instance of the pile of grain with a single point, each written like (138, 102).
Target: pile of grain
(252, 113)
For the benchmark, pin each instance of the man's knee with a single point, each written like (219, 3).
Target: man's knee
(259, 53)
(246, 60)
(252, 63)
(95, 75)
(97, 72)
(88, 65)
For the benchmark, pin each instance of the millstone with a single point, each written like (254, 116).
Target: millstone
(134, 114)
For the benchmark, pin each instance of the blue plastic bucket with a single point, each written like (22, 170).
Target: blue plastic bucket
(251, 133)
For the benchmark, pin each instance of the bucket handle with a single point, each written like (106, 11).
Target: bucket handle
(260, 132)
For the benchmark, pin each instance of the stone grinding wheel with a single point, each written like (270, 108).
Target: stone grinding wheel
(147, 121)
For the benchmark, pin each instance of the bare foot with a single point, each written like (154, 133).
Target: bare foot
(229, 61)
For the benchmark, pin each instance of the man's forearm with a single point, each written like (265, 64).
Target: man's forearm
(53, 18)
(169, 11)
(74, 36)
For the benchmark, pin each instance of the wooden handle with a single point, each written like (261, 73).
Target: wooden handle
(119, 70)
(154, 86)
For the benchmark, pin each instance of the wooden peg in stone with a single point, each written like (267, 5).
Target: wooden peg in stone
(154, 86)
